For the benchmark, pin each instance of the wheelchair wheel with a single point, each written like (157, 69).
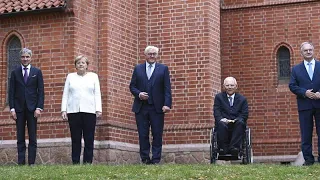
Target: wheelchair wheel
(247, 155)
(213, 147)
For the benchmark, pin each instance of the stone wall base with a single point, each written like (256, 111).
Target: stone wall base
(58, 151)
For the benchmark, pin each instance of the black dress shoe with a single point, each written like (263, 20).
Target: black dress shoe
(154, 163)
(222, 152)
(234, 151)
(146, 161)
(307, 163)
(21, 163)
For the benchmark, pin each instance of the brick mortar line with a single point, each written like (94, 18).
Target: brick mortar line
(255, 5)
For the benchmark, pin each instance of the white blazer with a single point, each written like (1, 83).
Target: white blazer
(81, 94)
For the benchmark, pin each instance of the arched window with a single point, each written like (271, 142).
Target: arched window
(13, 57)
(283, 57)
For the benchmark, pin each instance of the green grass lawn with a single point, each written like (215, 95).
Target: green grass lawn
(166, 171)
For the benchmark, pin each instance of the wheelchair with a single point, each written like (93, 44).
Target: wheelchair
(245, 152)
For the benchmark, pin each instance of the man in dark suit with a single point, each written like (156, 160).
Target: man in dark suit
(151, 88)
(305, 84)
(230, 113)
(26, 98)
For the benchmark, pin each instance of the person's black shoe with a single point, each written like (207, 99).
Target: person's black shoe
(222, 152)
(234, 151)
(307, 163)
(146, 161)
(21, 163)
(154, 163)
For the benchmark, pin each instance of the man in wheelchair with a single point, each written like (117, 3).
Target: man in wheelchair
(231, 113)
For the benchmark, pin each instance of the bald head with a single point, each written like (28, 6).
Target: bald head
(230, 80)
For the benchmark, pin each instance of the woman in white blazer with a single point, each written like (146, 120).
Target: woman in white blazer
(81, 105)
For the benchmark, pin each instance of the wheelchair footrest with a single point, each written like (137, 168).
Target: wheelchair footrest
(228, 157)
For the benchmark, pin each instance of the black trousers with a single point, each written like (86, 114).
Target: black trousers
(82, 124)
(306, 128)
(146, 118)
(24, 118)
(230, 135)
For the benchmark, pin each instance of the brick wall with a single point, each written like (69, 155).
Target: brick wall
(249, 40)
(242, 2)
(85, 28)
(253, 3)
(118, 53)
(51, 38)
(187, 33)
(114, 34)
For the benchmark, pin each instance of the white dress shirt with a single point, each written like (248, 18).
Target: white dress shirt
(82, 94)
(232, 98)
(313, 63)
(28, 70)
(152, 67)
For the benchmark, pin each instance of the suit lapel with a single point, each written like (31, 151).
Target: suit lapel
(304, 70)
(226, 99)
(154, 74)
(19, 74)
(316, 69)
(144, 71)
(236, 97)
(31, 73)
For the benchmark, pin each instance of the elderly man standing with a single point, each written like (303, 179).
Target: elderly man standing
(150, 85)
(305, 84)
(230, 112)
(26, 99)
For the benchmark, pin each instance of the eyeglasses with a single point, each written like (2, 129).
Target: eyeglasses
(152, 54)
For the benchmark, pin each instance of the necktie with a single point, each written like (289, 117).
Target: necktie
(310, 70)
(230, 101)
(149, 71)
(25, 76)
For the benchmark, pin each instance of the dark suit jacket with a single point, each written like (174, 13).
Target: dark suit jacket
(222, 109)
(161, 87)
(31, 93)
(300, 83)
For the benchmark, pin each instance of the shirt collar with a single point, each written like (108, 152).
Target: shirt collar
(29, 66)
(231, 95)
(147, 64)
(306, 62)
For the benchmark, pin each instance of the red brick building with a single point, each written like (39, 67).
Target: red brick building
(202, 42)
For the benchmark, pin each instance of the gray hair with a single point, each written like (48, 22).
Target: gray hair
(304, 43)
(148, 48)
(230, 78)
(26, 51)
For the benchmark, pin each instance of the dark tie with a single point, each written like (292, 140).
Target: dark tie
(25, 76)
(230, 101)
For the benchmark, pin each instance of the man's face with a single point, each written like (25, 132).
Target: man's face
(25, 59)
(230, 86)
(307, 52)
(151, 56)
